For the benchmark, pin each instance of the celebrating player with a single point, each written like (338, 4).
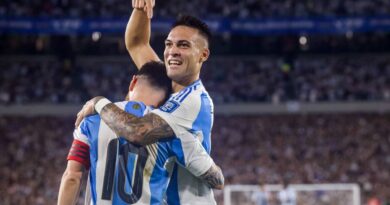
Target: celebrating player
(138, 175)
(189, 111)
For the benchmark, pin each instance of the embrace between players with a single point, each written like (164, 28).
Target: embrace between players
(162, 155)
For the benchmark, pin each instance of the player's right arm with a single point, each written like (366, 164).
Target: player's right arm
(193, 156)
(214, 177)
(137, 35)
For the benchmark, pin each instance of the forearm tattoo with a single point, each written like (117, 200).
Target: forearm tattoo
(141, 130)
(214, 177)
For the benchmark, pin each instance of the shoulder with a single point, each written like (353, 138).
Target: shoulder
(184, 100)
(198, 100)
(90, 120)
(191, 95)
(190, 98)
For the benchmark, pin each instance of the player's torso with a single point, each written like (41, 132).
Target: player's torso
(185, 188)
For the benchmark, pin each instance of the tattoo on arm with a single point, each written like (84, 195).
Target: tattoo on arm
(140, 130)
(214, 177)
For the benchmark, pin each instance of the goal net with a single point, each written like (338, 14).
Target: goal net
(300, 194)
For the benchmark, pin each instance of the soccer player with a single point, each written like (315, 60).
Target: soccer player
(261, 196)
(137, 175)
(287, 195)
(189, 111)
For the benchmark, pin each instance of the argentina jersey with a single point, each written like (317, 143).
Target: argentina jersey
(124, 173)
(190, 115)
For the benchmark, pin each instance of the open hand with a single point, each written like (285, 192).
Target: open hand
(88, 109)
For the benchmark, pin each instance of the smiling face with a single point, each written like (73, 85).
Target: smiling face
(185, 52)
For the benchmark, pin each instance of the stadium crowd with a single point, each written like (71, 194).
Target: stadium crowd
(62, 82)
(306, 149)
(33, 158)
(343, 148)
(257, 79)
(305, 79)
(170, 8)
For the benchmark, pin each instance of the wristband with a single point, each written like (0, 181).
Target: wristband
(100, 104)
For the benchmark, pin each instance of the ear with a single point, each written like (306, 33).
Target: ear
(132, 83)
(204, 55)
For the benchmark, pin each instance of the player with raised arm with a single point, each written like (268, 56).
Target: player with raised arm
(189, 111)
(136, 175)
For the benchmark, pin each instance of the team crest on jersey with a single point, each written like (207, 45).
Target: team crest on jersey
(136, 106)
(169, 106)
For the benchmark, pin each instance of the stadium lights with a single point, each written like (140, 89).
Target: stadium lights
(349, 35)
(303, 40)
(96, 36)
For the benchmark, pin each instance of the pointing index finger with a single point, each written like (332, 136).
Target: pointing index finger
(149, 8)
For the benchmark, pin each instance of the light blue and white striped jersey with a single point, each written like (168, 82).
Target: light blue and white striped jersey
(190, 113)
(124, 173)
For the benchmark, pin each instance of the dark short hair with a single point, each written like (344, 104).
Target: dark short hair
(193, 22)
(156, 75)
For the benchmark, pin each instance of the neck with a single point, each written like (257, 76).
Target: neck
(176, 87)
(146, 96)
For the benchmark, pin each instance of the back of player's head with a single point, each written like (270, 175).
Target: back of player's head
(157, 77)
(193, 22)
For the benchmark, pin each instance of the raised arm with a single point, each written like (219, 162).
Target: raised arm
(137, 35)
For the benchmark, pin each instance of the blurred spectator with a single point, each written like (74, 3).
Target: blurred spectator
(373, 201)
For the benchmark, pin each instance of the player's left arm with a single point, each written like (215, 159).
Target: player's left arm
(140, 130)
(78, 163)
(70, 183)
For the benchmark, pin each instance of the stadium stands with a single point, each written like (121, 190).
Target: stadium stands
(339, 148)
(323, 78)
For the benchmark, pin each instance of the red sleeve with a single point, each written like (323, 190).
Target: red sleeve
(80, 153)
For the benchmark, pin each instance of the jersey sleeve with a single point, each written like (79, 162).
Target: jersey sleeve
(80, 147)
(180, 114)
(191, 154)
(81, 132)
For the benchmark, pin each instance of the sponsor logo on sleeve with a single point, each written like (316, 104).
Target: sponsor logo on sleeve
(169, 106)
